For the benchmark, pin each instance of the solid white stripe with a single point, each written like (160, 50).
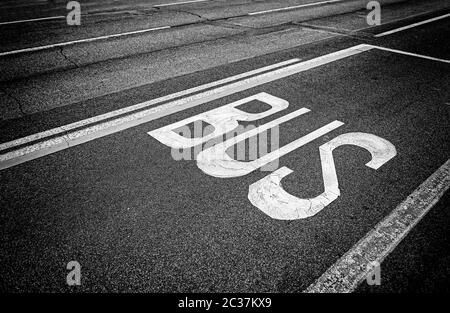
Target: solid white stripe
(33, 20)
(412, 25)
(295, 7)
(67, 43)
(345, 275)
(96, 119)
(412, 54)
(176, 3)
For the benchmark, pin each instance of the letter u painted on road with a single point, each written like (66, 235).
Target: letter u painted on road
(216, 162)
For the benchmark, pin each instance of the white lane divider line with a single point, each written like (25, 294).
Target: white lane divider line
(100, 13)
(412, 25)
(33, 20)
(411, 54)
(53, 145)
(86, 40)
(112, 114)
(295, 7)
(345, 275)
(178, 3)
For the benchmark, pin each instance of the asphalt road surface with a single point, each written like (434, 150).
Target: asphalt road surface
(109, 193)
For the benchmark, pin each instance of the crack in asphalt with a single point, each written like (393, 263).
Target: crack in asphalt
(67, 58)
(336, 31)
(17, 101)
(191, 13)
(204, 19)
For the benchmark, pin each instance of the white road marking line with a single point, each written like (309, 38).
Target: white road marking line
(99, 118)
(33, 20)
(411, 54)
(177, 3)
(67, 43)
(295, 7)
(412, 25)
(352, 268)
(100, 13)
(41, 149)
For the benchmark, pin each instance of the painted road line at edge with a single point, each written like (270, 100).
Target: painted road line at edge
(412, 25)
(426, 57)
(33, 20)
(352, 268)
(178, 3)
(295, 7)
(64, 17)
(53, 145)
(68, 43)
(139, 106)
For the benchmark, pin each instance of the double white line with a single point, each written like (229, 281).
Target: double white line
(37, 145)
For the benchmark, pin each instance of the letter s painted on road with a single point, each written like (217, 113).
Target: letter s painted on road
(269, 196)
